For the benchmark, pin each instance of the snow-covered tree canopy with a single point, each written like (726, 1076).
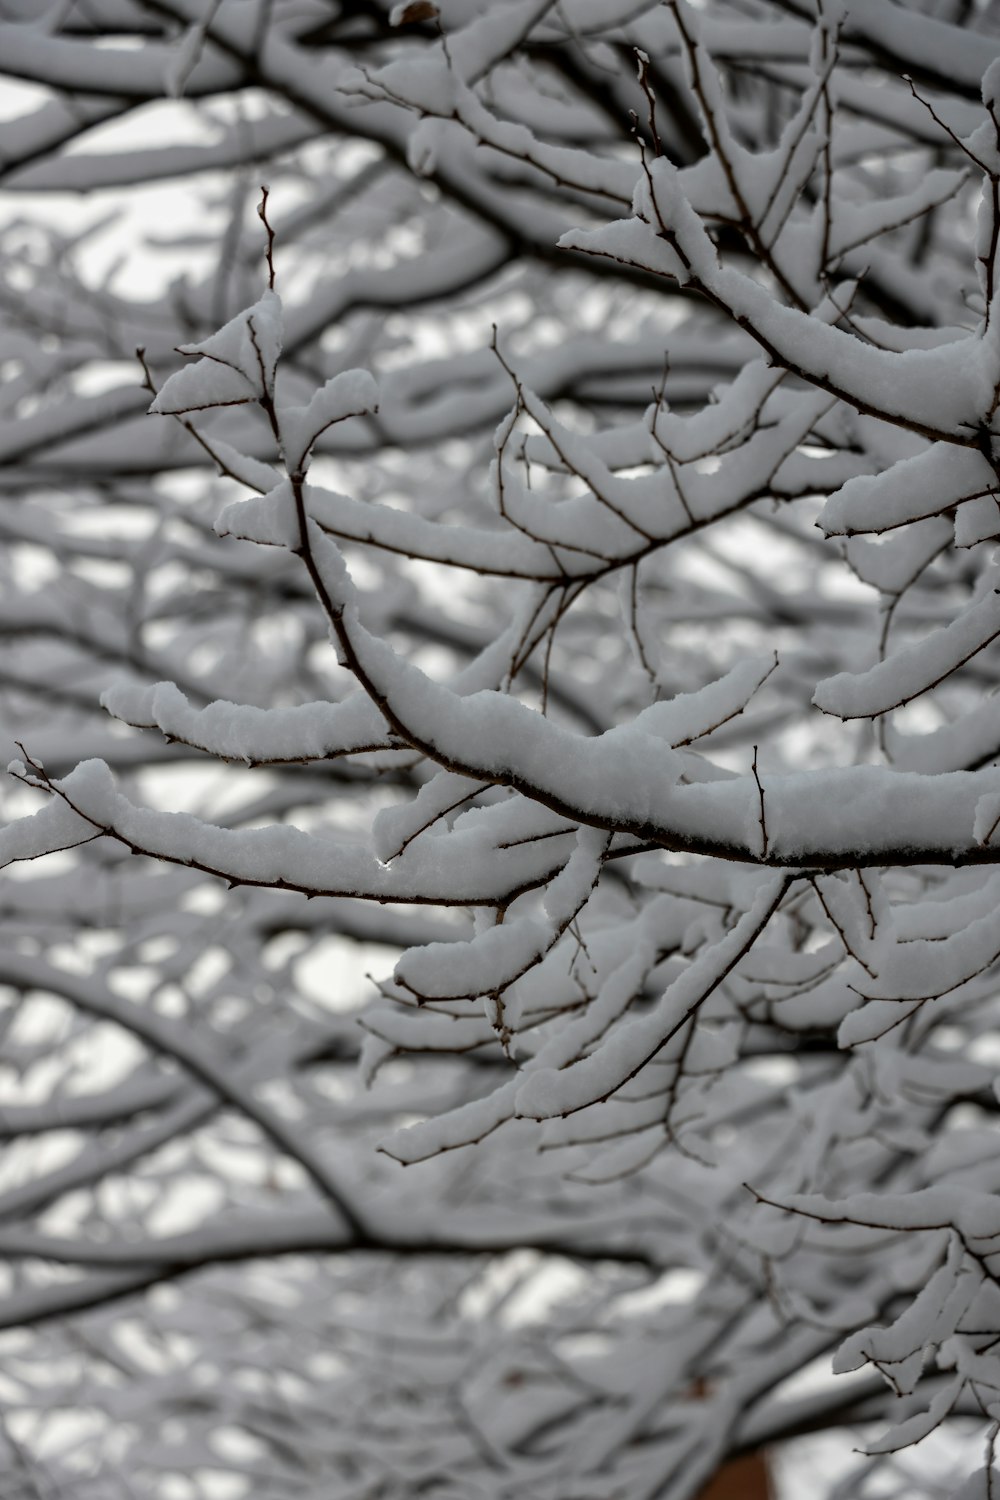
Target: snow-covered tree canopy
(542, 555)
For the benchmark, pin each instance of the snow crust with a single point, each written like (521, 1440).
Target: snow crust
(236, 364)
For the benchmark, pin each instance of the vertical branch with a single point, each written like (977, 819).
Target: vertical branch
(763, 817)
(269, 250)
(642, 62)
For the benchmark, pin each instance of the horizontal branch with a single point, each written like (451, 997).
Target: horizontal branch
(128, 1267)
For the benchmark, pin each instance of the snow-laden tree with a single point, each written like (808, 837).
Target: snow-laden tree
(542, 553)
